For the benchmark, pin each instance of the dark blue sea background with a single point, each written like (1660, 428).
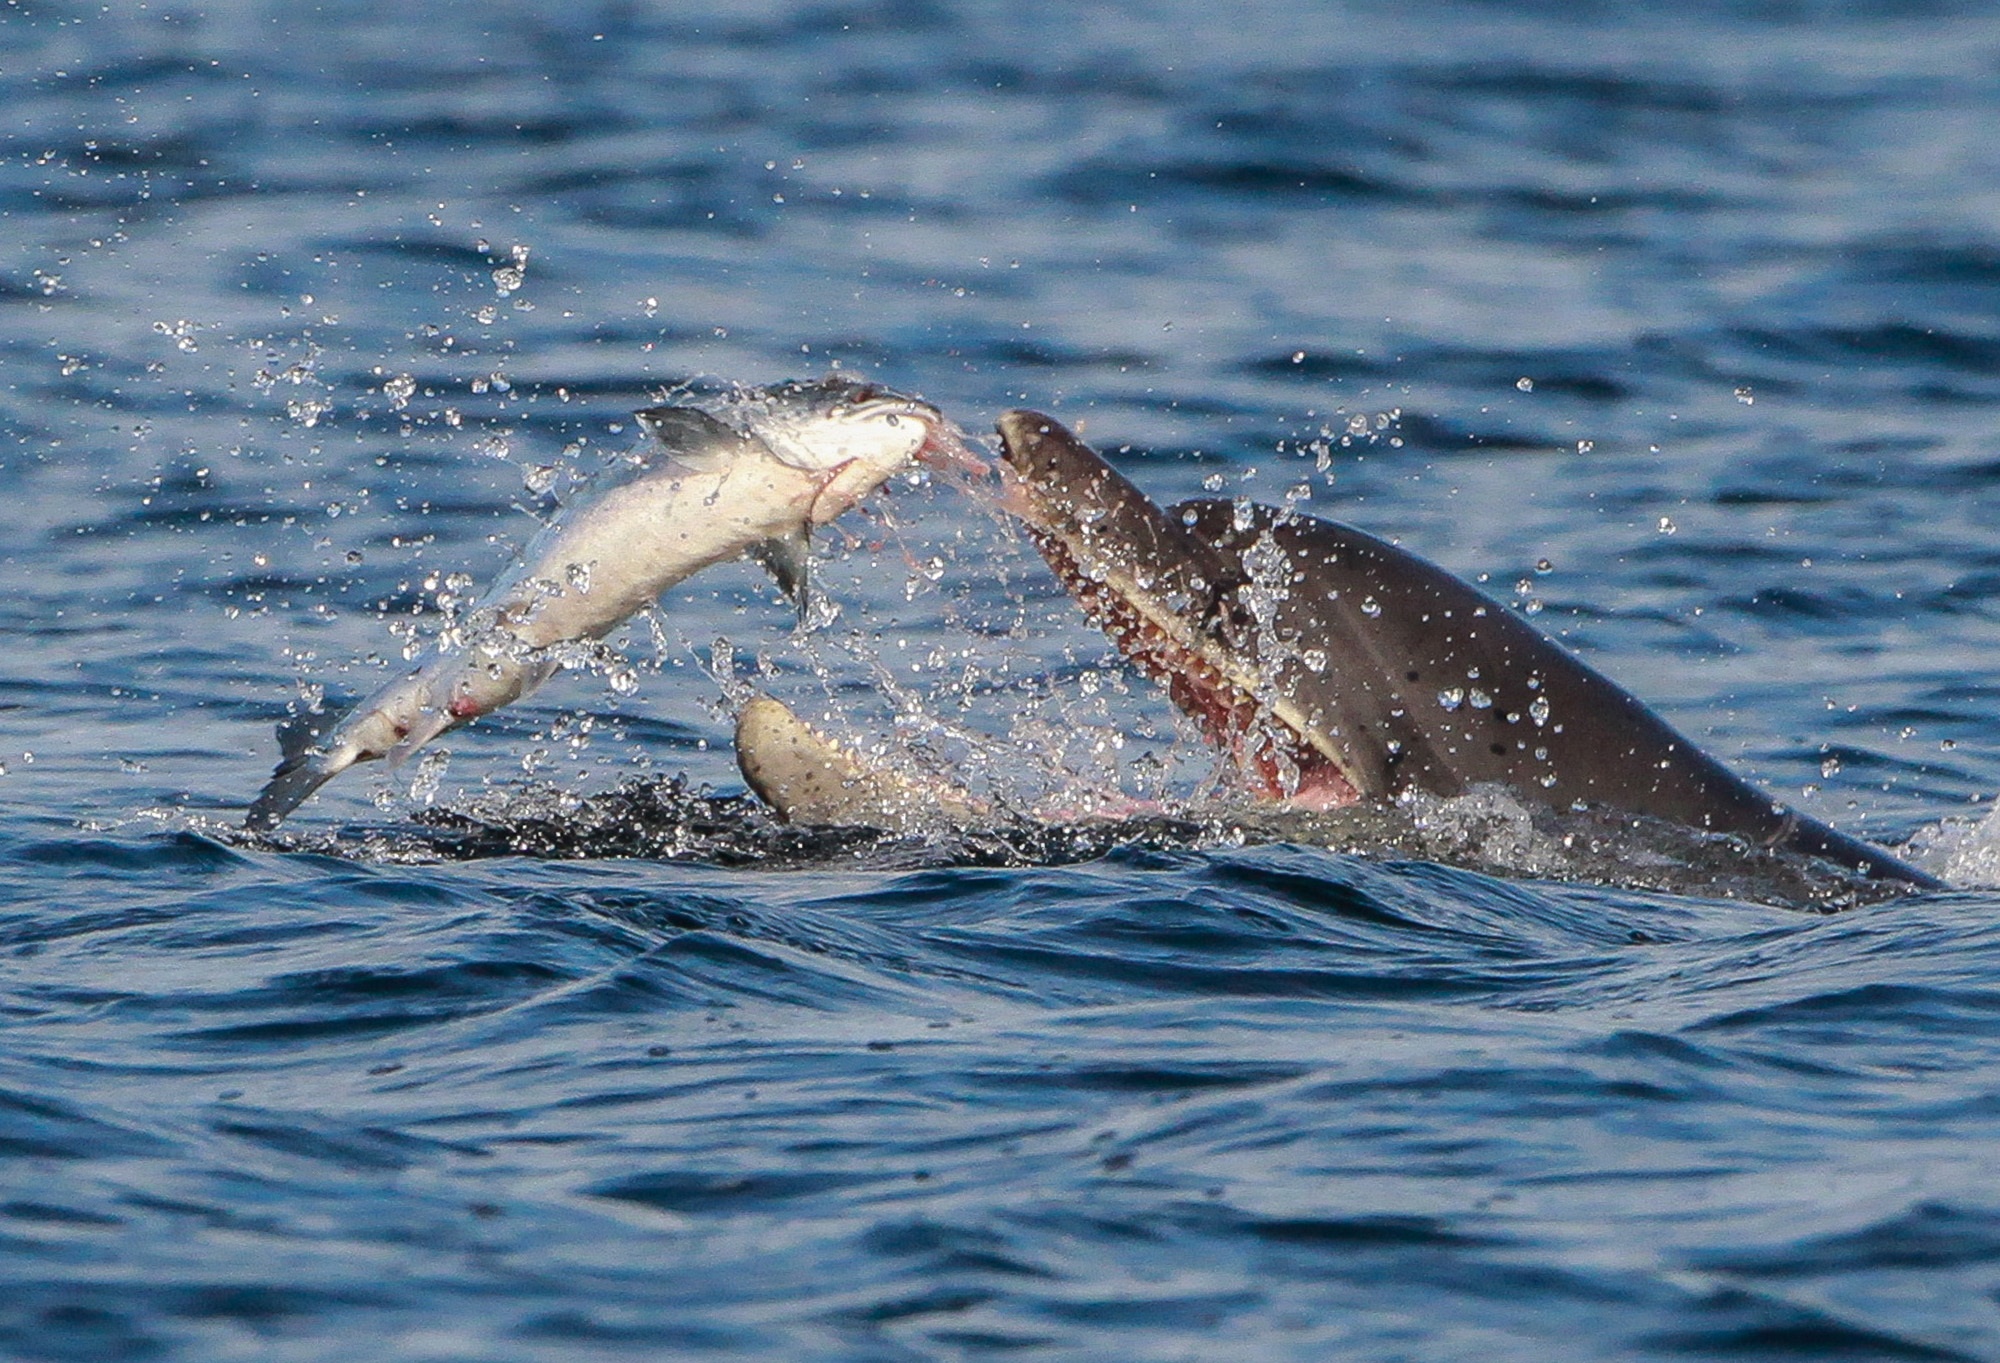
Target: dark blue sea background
(1677, 327)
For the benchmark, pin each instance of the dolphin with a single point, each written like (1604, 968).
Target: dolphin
(1336, 668)
(753, 475)
(810, 779)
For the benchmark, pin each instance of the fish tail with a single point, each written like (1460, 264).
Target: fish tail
(315, 748)
(294, 780)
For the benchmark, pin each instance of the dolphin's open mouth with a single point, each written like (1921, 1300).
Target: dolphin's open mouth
(1169, 603)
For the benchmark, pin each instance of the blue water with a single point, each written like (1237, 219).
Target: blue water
(1678, 327)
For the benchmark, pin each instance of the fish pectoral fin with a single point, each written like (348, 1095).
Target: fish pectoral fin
(788, 559)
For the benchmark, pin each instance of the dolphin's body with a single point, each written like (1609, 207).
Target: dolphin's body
(753, 475)
(1337, 668)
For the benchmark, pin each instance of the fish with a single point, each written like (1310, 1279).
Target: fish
(753, 475)
(1336, 668)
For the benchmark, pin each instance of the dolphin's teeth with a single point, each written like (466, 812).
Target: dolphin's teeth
(1280, 760)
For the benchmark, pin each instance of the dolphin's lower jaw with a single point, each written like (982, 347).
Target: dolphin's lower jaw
(807, 778)
(1273, 754)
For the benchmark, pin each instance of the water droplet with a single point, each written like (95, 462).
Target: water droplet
(1538, 710)
(1451, 697)
(1370, 607)
(1667, 526)
(1478, 699)
(429, 776)
(1745, 396)
(182, 331)
(579, 578)
(1542, 565)
(1525, 385)
(1829, 765)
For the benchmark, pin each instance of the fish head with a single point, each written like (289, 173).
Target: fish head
(1173, 605)
(855, 434)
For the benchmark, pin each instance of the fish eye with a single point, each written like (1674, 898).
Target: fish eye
(894, 420)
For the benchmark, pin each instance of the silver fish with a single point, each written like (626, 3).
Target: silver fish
(751, 475)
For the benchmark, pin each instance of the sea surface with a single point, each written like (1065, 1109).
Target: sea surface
(1676, 327)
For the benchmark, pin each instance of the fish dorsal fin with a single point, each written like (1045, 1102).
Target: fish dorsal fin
(788, 559)
(690, 435)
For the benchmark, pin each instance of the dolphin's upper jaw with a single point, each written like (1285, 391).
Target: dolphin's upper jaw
(1118, 555)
